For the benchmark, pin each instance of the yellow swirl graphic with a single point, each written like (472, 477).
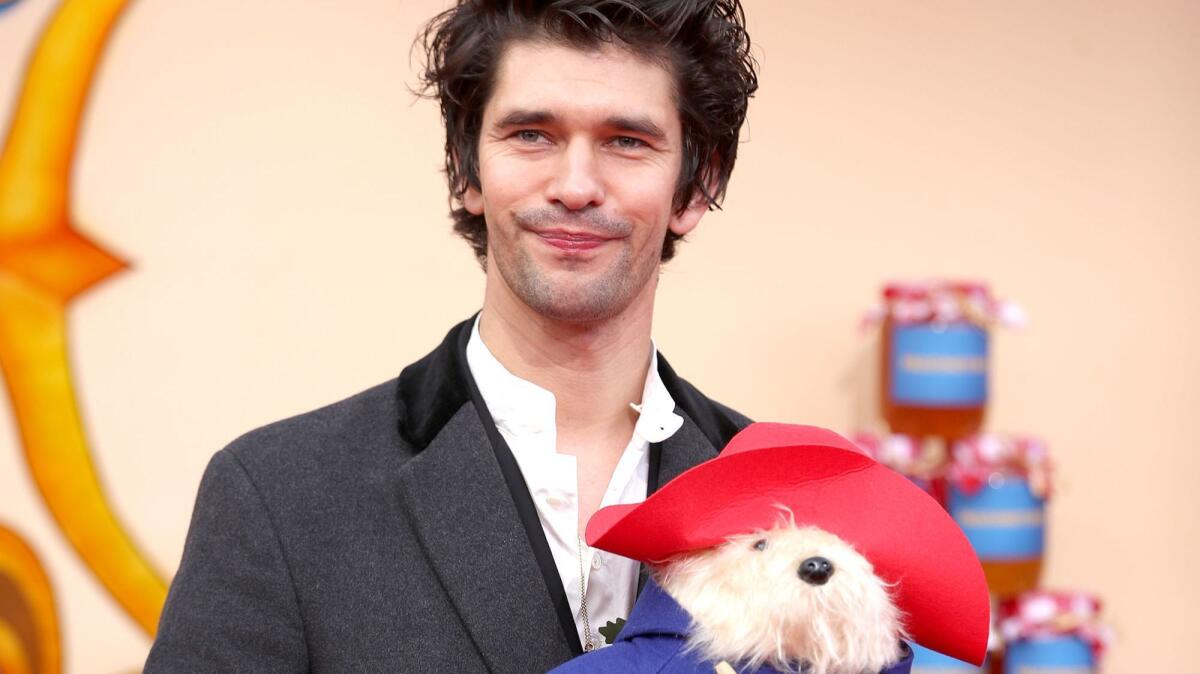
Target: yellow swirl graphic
(44, 263)
(28, 623)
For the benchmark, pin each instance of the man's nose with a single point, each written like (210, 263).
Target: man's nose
(577, 183)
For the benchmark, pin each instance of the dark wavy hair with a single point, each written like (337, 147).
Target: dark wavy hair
(703, 43)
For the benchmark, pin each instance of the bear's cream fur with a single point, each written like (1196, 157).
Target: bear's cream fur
(751, 607)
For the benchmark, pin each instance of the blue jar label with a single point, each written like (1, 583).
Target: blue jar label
(939, 365)
(926, 661)
(1051, 655)
(1003, 521)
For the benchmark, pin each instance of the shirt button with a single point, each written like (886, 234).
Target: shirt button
(556, 502)
(597, 561)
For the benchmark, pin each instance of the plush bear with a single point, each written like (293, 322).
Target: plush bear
(792, 551)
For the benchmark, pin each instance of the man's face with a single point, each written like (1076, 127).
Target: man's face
(579, 156)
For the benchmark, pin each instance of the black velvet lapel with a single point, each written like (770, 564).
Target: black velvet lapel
(433, 389)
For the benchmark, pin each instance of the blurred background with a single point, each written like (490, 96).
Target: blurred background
(271, 184)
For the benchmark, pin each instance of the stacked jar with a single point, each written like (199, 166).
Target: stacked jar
(934, 357)
(1053, 632)
(998, 488)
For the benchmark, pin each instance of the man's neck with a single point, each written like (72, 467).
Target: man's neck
(594, 369)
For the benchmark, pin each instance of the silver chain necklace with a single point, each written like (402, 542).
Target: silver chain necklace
(588, 644)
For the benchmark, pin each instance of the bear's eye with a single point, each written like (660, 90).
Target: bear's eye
(760, 544)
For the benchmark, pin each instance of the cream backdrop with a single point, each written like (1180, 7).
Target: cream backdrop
(276, 188)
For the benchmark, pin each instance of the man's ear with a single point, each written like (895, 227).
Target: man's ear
(470, 196)
(472, 200)
(683, 222)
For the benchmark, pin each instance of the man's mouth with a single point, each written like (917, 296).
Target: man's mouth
(572, 240)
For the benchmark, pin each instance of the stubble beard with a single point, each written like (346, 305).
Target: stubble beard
(563, 295)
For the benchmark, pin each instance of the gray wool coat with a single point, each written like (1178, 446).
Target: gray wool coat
(389, 532)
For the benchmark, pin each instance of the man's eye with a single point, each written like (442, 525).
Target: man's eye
(628, 143)
(528, 136)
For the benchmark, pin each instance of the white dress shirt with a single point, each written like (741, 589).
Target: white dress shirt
(525, 416)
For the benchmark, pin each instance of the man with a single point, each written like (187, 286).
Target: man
(432, 523)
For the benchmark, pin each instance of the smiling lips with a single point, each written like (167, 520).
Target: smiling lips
(571, 241)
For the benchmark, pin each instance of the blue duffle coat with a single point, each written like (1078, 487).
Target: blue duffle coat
(653, 640)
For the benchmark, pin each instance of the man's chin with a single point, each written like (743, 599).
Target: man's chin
(576, 312)
(583, 293)
(596, 302)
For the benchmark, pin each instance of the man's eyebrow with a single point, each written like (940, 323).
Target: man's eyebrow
(524, 117)
(639, 125)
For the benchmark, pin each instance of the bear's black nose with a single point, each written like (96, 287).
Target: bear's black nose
(816, 570)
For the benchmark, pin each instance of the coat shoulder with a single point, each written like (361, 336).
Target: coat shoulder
(337, 445)
(354, 428)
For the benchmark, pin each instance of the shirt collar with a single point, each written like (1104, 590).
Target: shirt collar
(522, 407)
(657, 420)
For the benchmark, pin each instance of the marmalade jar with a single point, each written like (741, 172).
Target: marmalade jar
(1048, 631)
(998, 488)
(934, 358)
(1058, 654)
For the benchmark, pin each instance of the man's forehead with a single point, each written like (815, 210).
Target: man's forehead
(600, 82)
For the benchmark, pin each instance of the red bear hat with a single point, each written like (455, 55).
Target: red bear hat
(829, 483)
